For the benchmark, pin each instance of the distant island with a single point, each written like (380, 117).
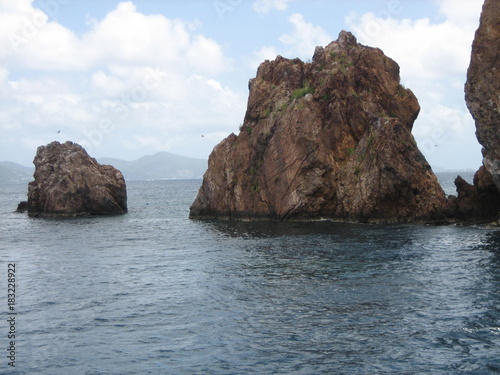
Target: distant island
(159, 166)
(14, 173)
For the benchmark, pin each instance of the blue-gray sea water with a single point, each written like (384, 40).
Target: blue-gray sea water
(152, 292)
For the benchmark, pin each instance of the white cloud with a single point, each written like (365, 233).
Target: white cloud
(4, 73)
(447, 139)
(265, 6)
(434, 57)
(305, 36)
(109, 107)
(300, 42)
(422, 49)
(16, 6)
(445, 123)
(130, 79)
(29, 40)
(262, 54)
(461, 12)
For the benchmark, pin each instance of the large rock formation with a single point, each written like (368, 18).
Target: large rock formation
(68, 182)
(482, 90)
(480, 202)
(326, 139)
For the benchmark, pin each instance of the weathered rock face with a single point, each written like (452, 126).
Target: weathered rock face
(477, 203)
(326, 139)
(480, 202)
(482, 90)
(69, 182)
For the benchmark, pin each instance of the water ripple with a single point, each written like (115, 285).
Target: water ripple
(153, 292)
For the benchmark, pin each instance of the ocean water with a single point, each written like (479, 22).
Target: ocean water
(152, 292)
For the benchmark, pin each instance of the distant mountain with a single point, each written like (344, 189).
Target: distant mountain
(13, 173)
(160, 166)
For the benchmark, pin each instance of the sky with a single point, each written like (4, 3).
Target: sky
(131, 78)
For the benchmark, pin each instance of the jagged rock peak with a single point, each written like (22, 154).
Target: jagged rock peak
(346, 39)
(68, 182)
(326, 139)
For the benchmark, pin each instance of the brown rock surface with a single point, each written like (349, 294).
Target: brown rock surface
(326, 139)
(69, 182)
(477, 203)
(482, 90)
(480, 202)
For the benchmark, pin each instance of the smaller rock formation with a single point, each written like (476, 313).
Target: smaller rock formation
(68, 182)
(478, 203)
(22, 207)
